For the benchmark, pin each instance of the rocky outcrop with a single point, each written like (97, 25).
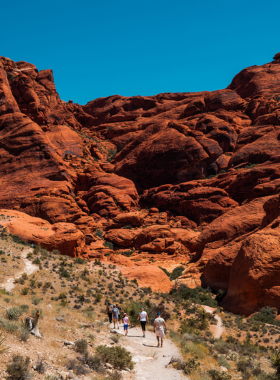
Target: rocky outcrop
(65, 237)
(188, 178)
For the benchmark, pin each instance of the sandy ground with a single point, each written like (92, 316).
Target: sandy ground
(218, 329)
(29, 268)
(151, 360)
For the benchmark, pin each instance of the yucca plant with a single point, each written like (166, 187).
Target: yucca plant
(275, 360)
(2, 340)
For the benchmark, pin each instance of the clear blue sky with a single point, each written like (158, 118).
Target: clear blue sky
(131, 47)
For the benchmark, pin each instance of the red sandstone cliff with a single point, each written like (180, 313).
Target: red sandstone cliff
(190, 178)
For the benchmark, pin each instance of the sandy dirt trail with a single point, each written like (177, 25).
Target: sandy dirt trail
(151, 360)
(29, 268)
(218, 329)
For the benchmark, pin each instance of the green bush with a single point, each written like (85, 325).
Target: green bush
(99, 233)
(222, 362)
(24, 308)
(244, 363)
(266, 315)
(24, 291)
(109, 245)
(18, 369)
(134, 307)
(18, 240)
(165, 271)
(177, 272)
(81, 346)
(222, 347)
(217, 375)
(198, 295)
(127, 253)
(94, 362)
(14, 313)
(117, 356)
(79, 260)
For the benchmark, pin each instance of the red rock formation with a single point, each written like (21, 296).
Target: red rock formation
(62, 236)
(188, 178)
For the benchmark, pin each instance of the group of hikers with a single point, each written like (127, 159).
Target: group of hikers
(114, 312)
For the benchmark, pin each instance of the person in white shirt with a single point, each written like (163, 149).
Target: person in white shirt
(143, 316)
(159, 328)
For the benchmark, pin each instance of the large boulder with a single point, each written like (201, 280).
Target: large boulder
(254, 278)
(65, 237)
(257, 80)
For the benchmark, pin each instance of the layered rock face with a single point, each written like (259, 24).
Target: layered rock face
(187, 179)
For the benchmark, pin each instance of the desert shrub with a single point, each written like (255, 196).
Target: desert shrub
(98, 233)
(188, 366)
(197, 350)
(128, 227)
(244, 363)
(40, 366)
(79, 260)
(81, 346)
(111, 154)
(217, 375)
(117, 356)
(18, 240)
(134, 307)
(24, 291)
(64, 272)
(266, 315)
(52, 377)
(127, 253)
(24, 308)
(78, 367)
(109, 245)
(14, 313)
(275, 361)
(198, 295)
(220, 295)
(222, 362)
(115, 338)
(222, 347)
(98, 297)
(36, 300)
(18, 369)
(93, 362)
(165, 271)
(177, 272)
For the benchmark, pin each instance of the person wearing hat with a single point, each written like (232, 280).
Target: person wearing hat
(125, 323)
(159, 327)
(115, 313)
(143, 316)
(120, 310)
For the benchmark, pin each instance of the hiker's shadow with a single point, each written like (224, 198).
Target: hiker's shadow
(148, 345)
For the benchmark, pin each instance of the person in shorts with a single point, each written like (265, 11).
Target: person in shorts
(143, 317)
(125, 323)
(115, 313)
(159, 328)
(120, 310)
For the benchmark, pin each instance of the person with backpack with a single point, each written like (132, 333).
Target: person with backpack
(120, 310)
(115, 313)
(109, 310)
(159, 328)
(143, 317)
